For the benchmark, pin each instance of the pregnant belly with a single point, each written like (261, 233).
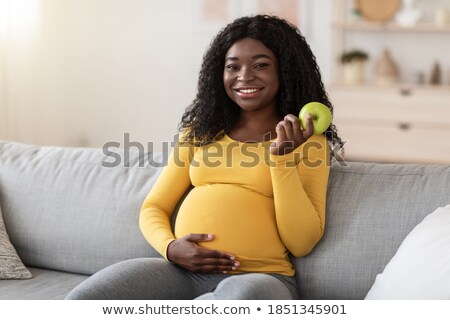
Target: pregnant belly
(241, 220)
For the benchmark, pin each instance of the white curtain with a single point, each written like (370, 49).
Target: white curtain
(19, 27)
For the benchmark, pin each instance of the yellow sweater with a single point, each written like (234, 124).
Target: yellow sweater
(259, 206)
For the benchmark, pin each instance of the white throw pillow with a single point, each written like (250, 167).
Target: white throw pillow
(11, 267)
(421, 267)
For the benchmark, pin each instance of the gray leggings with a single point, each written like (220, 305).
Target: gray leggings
(157, 279)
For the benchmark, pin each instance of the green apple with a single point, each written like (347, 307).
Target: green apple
(321, 116)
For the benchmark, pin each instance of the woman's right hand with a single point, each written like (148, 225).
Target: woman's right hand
(186, 253)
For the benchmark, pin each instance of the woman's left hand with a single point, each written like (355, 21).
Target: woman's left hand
(290, 134)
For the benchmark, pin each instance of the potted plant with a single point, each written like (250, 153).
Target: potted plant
(353, 63)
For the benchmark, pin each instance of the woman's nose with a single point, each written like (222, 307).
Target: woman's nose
(245, 74)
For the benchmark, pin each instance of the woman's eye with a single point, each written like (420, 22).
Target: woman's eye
(261, 65)
(232, 67)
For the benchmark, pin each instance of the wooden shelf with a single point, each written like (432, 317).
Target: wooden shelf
(399, 122)
(383, 26)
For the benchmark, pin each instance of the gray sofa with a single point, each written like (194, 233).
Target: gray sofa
(70, 212)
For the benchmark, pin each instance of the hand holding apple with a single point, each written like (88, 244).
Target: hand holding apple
(320, 114)
(290, 134)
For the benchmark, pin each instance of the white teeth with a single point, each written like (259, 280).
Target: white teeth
(248, 90)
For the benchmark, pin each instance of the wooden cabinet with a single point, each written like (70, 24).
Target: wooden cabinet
(410, 124)
(402, 122)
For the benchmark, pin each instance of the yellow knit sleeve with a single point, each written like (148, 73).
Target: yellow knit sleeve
(169, 188)
(299, 181)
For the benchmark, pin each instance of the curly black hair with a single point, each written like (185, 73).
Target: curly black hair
(213, 113)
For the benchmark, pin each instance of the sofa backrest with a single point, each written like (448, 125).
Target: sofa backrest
(370, 210)
(65, 210)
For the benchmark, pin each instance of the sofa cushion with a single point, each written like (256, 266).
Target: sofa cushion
(45, 285)
(65, 210)
(370, 210)
(420, 268)
(11, 267)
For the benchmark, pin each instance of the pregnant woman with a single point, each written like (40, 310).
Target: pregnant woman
(257, 179)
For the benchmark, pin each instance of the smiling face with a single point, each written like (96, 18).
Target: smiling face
(250, 76)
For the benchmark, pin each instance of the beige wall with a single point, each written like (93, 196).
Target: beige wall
(84, 72)
(96, 69)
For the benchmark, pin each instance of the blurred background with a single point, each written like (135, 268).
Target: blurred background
(85, 72)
